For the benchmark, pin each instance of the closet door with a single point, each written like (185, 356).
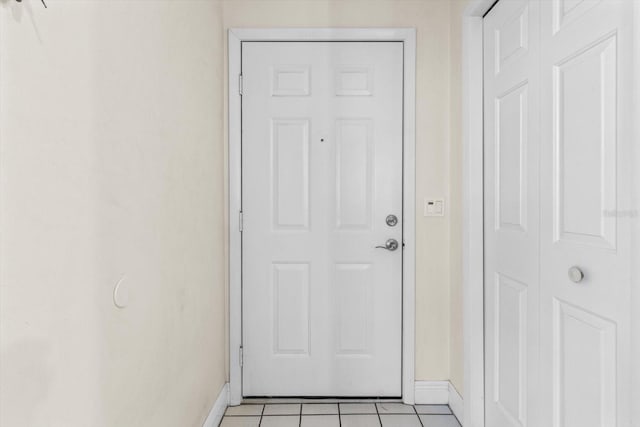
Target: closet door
(511, 121)
(585, 223)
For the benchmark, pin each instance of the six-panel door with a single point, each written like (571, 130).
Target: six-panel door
(557, 258)
(322, 169)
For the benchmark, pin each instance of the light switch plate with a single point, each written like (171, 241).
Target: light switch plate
(433, 207)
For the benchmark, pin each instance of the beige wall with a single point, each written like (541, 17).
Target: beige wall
(431, 18)
(111, 164)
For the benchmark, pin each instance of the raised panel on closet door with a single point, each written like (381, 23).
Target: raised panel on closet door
(511, 38)
(510, 358)
(511, 112)
(584, 382)
(566, 11)
(584, 164)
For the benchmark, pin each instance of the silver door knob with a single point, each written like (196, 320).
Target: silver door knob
(390, 245)
(391, 220)
(575, 274)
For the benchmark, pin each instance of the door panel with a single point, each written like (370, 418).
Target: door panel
(511, 346)
(585, 181)
(511, 213)
(354, 155)
(322, 168)
(511, 146)
(584, 381)
(585, 129)
(291, 308)
(352, 290)
(290, 171)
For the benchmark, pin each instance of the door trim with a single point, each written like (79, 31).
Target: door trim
(235, 38)
(473, 210)
(635, 229)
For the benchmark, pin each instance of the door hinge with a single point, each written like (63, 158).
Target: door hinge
(240, 356)
(240, 84)
(240, 221)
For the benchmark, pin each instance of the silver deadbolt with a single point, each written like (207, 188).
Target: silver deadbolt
(390, 245)
(392, 220)
(575, 274)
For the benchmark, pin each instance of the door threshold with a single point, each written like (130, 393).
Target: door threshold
(283, 400)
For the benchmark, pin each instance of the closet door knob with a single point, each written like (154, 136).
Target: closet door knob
(575, 274)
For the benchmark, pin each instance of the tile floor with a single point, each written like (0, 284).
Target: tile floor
(338, 414)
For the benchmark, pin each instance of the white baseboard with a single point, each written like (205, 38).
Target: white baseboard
(440, 393)
(426, 393)
(432, 392)
(456, 403)
(220, 405)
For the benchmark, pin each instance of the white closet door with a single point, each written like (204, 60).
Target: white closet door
(587, 134)
(322, 170)
(512, 141)
(558, 135)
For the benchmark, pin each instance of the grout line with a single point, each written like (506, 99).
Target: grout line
(454, 415)
(418, 415)
(300, 414)
(261, 415)
(378, 413)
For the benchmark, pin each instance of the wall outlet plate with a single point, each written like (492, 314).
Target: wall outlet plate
(433, 207)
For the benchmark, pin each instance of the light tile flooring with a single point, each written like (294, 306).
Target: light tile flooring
(338, 414)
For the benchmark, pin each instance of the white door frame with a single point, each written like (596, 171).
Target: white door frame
(473, 187)
(473, 211)
(635, 229)
(236, 37)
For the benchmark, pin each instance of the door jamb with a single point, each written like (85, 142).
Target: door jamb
(635, 226)
(473, 211)
(235, 38)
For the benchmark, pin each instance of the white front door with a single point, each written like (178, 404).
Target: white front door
(558, 85)
(322, 172)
